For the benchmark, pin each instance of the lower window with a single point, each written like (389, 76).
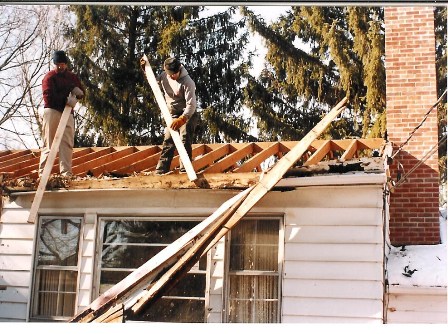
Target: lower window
(253, 275)
(128, 243)
(56, 274)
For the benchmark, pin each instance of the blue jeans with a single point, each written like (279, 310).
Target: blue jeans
(186, 132)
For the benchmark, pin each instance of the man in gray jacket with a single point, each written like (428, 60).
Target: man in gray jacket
(180, 97)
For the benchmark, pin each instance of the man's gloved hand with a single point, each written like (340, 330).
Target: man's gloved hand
(78, 92)
(71, 100)
(142, 63)
(178, 122)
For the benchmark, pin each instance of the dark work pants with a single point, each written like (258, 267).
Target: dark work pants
(186, 132)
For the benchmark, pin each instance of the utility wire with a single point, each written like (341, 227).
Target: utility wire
(418, 126)
(427, 155)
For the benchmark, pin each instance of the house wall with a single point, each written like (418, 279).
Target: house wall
(416, 305)
(411, 91)
(333, 244)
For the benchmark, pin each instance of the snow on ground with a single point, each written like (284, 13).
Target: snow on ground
(420, 265)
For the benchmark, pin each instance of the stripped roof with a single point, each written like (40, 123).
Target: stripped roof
(208, 159)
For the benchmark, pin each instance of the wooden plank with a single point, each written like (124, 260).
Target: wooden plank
(168, 120)
(350, 151)
(86, 159)
(99, 163)
(149, 161)
(49, 164)
(13, 158)
(230, 160)
(319, 154)
(258, 159)
(210, 157)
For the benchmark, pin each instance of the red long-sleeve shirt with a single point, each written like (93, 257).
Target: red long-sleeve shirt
(56, 86)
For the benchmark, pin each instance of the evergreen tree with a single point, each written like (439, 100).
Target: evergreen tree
(316, 56)
(108, 43)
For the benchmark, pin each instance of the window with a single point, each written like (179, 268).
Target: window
(56, 273)
(129, 243)
(253, 276)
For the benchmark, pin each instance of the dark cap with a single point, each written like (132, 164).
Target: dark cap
(60, 57)
(171, 65)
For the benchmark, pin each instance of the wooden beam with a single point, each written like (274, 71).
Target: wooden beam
(319, 154)
(230, 160)
(257, 159)
(209, 158)
(49, 164)
(126, 160)
(350, 151)
(99, 163)
(168, 120)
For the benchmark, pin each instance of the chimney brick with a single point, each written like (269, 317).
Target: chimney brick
(411, 90)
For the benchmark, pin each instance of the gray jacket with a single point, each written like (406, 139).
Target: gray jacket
(180, 94)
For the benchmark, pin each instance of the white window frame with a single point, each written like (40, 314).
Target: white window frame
(36, 276)
(194, 269)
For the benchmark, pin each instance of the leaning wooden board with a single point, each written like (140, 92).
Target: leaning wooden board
(168, 120)
(49, 164)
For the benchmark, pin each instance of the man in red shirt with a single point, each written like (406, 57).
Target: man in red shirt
(56, 87)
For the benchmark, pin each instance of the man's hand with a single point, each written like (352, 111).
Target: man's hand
(142, 63)
(71, 100)
(78, 92)
(178, 122)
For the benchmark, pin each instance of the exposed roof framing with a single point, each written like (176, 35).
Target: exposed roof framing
(207, 158)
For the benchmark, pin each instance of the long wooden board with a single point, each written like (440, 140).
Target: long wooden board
(49, 164)
(168, 120)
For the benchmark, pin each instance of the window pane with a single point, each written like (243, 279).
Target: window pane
(253, 277)
(57, 292)
(59, 242)
(191, 285)
(145, 232)
(129, 243)
(127, 256)
(174, 310)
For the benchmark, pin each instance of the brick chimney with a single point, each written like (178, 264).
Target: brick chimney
(410, 92)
